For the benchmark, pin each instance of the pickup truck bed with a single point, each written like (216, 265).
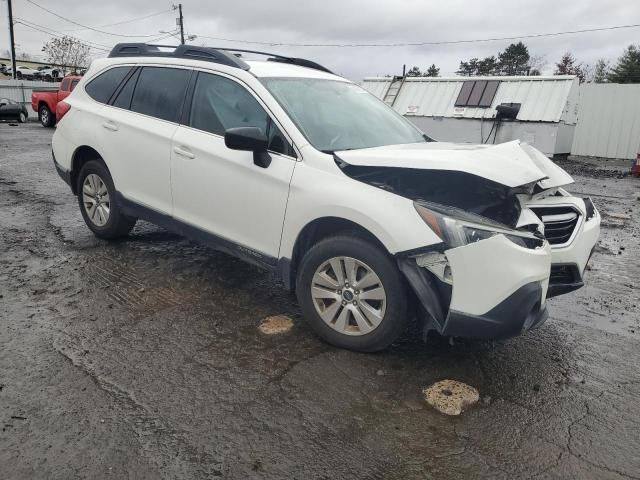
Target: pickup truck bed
(45, 102)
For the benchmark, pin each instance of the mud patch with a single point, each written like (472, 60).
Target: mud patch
(123, 286)
(450, 396)
(275, 325)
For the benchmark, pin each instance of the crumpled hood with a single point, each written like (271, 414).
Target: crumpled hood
(511, 164)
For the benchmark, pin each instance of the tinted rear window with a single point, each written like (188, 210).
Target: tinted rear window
(102, 87)
(123, 100)
(160, 92)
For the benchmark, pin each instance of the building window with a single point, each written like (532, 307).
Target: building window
(477, 93)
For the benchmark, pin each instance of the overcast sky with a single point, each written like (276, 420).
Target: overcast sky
(346, 21)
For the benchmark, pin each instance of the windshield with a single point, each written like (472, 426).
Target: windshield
(335, 115)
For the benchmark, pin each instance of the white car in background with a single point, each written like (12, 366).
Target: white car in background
(23, 72)
(50, 73)
(302, 172)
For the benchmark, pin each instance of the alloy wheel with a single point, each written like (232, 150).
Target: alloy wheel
(96, 201)
(349, 296)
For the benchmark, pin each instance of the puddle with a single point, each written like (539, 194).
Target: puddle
(450, 396)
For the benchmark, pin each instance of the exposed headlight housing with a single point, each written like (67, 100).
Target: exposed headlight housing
(457, 227)
(589, 207)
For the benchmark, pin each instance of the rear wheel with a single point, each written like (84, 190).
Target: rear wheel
(22, 118)
(46, 116)
(352, 294)
(96, 197)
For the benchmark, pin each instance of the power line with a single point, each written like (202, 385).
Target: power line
(58, 32)
(425, 43)
(124, 21)
(87, 26)
(55, 33)
(98, 46)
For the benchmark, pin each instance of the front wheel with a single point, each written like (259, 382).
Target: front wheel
(96, 197)
(46, 116)
(352, 294)
(22, 118)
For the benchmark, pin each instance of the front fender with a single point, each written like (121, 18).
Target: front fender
(317, 193)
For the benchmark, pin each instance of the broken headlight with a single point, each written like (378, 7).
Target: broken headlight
(457, 227)
(589, 207)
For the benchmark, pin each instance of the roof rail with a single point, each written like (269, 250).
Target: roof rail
(273, 57)
(216, 55)
(191, 52)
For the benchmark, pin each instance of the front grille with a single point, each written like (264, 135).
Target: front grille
(559, 223)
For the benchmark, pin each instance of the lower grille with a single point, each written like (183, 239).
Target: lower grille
(564, 279)
(559, 223)
(562, 274)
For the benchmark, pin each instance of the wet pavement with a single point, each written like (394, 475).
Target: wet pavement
(143, 359)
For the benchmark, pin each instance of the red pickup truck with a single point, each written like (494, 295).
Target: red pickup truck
(45, 102)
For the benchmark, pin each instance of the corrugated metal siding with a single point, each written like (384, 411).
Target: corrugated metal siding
(20, 91)
(543, 99)
(608, 121)
(377, 87)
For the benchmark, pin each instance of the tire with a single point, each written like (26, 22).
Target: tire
(19, 75)
(105, 220)
(344, 329)
(46, 117)
(22, 118)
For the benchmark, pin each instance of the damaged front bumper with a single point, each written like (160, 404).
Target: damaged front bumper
(569, 259)
(491, 289)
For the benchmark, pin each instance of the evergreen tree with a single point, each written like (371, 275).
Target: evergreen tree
(601, 71)
(514, 60)
(432, 71)
(414, 72)
(488, 66)
(568, 65)
(627, 70)
(468, 68)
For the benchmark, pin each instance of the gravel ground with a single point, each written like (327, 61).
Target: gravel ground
(143, 359)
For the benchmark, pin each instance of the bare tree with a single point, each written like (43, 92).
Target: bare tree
(537, 64)
(67, 52)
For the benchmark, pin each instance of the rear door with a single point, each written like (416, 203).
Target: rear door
(221, 190)
(138, 124)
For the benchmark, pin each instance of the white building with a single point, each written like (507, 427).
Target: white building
(463, 109)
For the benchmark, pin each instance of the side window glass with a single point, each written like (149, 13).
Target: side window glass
(65, 85)
(219, 104)
(123, 100)
(73, 84)
(160, 92)
(102, 87)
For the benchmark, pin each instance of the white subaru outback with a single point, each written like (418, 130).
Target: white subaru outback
(304, 173)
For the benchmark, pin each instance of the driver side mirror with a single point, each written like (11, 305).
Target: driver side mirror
(250, 139)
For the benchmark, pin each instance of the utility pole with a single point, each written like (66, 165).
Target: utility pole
(13, 43)
(180, 20)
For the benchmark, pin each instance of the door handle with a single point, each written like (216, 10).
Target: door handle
(183, 152)
(110, 126)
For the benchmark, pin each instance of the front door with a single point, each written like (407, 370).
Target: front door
(221, 190)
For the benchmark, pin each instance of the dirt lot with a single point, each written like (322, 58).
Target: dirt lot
(143, 359)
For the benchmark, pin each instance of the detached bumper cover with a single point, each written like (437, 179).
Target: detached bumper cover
(498, 289)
